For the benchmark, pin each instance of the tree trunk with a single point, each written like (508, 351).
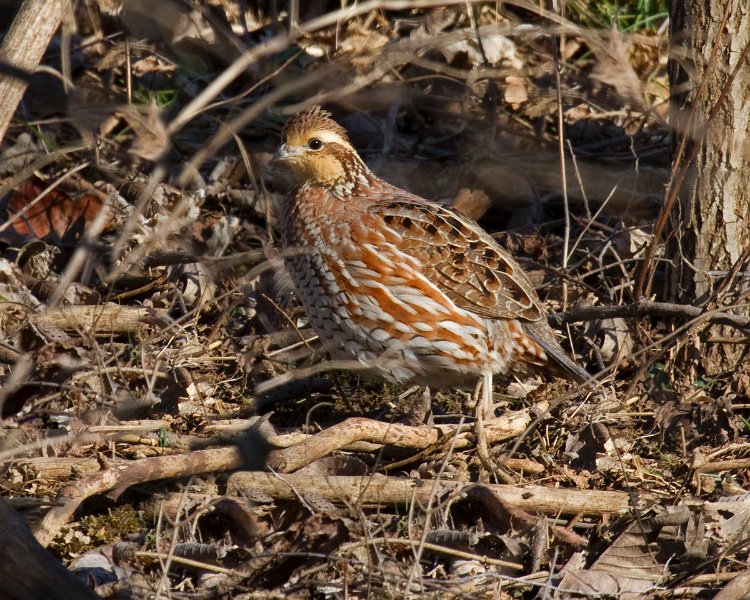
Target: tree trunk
(23, 47)
(710, 222)
(28, 571)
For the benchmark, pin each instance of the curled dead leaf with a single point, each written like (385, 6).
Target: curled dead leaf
(31, 213)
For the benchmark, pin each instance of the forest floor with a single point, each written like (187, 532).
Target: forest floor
(170, 426)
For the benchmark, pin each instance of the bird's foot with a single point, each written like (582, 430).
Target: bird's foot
(418, 411)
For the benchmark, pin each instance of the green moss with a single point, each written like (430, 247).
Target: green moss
(115, 525)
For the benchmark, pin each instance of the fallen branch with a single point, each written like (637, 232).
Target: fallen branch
(103, 319)
(57, 467)
(375, 489)
(359, 430)
(648, 308)
(346, 434)
(732, 464)
(381, 489)
(62, 467)
(120, 477)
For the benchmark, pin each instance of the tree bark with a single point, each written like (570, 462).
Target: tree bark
(710, 223)
(23, 47)
(28, 571)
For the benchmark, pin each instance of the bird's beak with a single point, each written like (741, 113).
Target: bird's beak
(285, 152)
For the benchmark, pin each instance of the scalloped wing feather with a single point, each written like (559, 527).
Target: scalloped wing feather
(463, 261)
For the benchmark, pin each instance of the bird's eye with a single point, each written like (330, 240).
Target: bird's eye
(315, 144)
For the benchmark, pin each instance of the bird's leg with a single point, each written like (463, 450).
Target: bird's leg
(484, 403)
(487, 408)
(482, 410)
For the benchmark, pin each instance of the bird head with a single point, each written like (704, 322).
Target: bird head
(317, 150)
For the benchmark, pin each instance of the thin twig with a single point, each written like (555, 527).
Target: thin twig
(648, 308)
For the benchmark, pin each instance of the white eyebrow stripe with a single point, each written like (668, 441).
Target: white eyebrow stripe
(329, 136)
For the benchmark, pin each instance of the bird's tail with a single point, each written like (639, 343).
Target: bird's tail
(560, 364)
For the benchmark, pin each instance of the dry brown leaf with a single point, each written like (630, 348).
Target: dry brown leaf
(495, 47)
(362, 44)
(472, 203)
(53, 217)
(17, 157)
(626, 570)
(151, 137)
(614, 69)
(196, 40)
(515, 92)
(615, 339)
(729, 518)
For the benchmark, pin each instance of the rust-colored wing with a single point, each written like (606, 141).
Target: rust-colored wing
(462, 260)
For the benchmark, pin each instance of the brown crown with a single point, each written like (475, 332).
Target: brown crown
(313, 118)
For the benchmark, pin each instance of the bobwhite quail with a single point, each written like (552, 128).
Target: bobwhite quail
(413, 290)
